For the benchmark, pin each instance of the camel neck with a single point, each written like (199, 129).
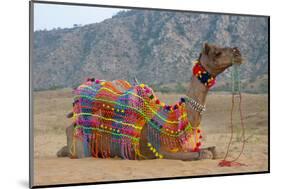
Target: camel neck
(198, 92)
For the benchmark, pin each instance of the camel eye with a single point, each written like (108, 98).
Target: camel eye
(218, 54)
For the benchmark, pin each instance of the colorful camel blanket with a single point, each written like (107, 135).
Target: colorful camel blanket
(110, 118)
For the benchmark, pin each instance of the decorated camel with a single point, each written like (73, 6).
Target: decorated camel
(129, 121)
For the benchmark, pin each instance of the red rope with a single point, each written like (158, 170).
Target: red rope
(230, 163)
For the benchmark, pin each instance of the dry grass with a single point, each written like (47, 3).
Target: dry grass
(51, 107)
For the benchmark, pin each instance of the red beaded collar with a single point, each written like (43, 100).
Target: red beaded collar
(203, 75)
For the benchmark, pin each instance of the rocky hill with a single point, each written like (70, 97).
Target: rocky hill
(157, 47)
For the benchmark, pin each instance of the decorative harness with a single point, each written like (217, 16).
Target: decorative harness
(110, 117)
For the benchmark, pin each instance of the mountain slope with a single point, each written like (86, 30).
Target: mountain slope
(157, 47)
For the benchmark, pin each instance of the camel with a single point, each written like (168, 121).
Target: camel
(147, 142)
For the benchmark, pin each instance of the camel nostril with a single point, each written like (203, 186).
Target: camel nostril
(235, 49)
(236, 52)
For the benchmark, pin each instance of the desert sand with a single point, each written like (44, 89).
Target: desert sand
(50, 108)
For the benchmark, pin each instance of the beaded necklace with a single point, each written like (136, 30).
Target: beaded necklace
(195, 105)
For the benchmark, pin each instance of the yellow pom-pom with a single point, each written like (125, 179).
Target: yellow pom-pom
(142, 85)
(174, 150)
(160, 156)
(156, 154)
(148, 144)
(151, 148)
(122, 111)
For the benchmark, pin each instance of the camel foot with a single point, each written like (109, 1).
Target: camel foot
(216, 154)
(205, 154)
(209, 153)
(63, 152)
(213, 150)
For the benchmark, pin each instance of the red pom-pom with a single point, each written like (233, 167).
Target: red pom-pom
(198, 144)
(196, 149)
(200, 137)
(211, 83)
(197, 68)
(157, 101)
(198, 131)
(97, 81)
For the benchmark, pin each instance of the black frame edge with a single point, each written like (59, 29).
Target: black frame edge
(31, 137)
(268, 105)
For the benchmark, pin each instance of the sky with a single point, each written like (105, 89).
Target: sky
(49, 16)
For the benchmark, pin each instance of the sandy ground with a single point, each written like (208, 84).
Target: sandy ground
(50, 108)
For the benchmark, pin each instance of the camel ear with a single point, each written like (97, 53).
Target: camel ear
(206, 48)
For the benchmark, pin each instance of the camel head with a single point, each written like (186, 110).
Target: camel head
(216, 59)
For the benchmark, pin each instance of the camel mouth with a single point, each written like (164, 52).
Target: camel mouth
(237, 57)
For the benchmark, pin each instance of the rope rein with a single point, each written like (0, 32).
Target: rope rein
(236, 91)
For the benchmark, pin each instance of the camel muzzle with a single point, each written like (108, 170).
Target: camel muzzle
(237, 57)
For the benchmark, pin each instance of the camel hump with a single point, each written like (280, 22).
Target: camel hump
(121, 85)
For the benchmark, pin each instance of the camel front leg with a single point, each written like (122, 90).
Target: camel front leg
(76, 146)
(67, 151)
